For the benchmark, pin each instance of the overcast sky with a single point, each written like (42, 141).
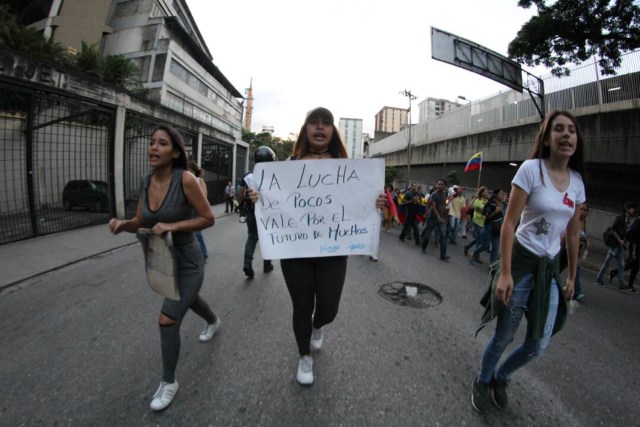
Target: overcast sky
(351, 56)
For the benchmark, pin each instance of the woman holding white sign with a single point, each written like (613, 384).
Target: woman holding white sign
(315, 284)
(167, 200)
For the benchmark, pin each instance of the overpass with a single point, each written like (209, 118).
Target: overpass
(504, 126)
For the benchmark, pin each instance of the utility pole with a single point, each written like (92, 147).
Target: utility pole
(411, 97)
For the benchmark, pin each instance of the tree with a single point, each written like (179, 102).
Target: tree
(20, 38)
(114, 69)
(282, 148)
(572, 31)
(453, 178)
(88, 59)
(119, 70)
(389, 175)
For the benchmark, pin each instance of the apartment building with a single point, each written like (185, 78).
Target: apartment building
(391, 119)
(432, 108)
(351, 130)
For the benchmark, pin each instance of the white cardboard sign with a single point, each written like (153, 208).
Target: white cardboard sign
(315, 208)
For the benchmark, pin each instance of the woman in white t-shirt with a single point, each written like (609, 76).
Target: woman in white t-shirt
(545, 194)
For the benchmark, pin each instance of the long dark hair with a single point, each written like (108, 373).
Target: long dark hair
(336, 145)
(197, 170)
(176, 142)
(542, 151)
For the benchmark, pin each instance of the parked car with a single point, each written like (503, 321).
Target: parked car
(86, 193)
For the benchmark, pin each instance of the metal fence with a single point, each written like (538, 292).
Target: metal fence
(56, 163)
(217, 161)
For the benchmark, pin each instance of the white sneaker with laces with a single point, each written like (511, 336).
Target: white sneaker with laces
(164, 395)
(209, 330)
(316, 339)
(305, 370)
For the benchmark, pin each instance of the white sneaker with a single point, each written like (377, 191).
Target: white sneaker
(209, 330)
(316, 338)
(305, 370)
(164, 395)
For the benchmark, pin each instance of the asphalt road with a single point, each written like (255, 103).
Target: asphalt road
(80, 347)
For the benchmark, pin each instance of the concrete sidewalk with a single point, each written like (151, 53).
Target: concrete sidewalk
(22, 260)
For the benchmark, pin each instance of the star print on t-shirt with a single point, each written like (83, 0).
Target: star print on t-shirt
(542, 227)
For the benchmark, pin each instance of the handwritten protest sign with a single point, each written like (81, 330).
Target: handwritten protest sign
(313, 208)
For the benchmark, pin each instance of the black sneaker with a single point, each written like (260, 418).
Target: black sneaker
(480, 396)
(625, 289)
(445, 258)
(248, 271)
(599, 282)
(499, 392)
(268, 266)
(633, 289)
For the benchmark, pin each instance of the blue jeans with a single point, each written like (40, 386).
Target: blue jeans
(203, 247)
(618, 254)
(453, 228)
(481, 240)
(508, 321)
(252, 239)
(489, 239)
(441, 231)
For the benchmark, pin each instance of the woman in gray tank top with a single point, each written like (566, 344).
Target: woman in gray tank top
(170, 199)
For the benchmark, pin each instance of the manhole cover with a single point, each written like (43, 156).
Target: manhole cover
(410, 294)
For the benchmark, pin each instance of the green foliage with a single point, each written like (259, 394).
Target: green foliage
(247, 135)
(572, 31)
(118, 69)
(20, 38)
(88, 59)
(390, 174)
(114, 69)
(452, 178)
(282, 148)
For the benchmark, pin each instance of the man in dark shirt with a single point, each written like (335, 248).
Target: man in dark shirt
(616, 250)
(437, 219)
(411, 203)
(262, 154)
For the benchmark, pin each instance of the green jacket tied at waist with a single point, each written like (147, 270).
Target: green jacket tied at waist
(544, 269)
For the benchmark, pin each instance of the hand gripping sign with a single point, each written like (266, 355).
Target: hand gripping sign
(315, 208)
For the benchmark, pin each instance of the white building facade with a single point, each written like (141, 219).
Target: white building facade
(161, 37)
(351, 130)
(432, 108)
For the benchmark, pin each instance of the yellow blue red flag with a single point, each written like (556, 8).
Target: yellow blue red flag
(475, 162)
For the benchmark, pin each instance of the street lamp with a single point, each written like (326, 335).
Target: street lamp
(464, 98)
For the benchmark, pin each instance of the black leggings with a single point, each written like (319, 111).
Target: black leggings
(315, 286)
(190, 276)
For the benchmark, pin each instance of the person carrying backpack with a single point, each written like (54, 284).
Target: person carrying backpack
(633, 262)
(617, 246)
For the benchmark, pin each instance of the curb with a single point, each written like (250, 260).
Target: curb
(5, 287)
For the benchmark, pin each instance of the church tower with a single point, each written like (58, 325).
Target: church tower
(249, 111)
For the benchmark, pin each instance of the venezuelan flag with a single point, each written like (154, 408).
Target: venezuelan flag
(475, 162)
